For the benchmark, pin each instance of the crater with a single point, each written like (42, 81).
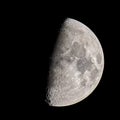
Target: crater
(94, 74)
(99, 58)
(69, 59)
(78, 50)
(83, 82)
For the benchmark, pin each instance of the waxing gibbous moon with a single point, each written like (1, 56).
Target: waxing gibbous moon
(77, 65)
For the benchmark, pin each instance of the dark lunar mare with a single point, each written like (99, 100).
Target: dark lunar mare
(84, 64)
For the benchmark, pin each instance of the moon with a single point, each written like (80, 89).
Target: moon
(76, 66)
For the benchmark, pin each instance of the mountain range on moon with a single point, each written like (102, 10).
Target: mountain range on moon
(77, 65)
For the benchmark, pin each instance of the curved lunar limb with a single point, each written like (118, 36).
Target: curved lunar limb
(77, 65)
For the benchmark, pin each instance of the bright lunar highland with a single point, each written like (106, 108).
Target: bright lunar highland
(76, 66)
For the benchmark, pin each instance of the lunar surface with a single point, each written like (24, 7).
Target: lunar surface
(76, 66)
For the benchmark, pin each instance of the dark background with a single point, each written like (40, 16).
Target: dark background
(30, 36)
